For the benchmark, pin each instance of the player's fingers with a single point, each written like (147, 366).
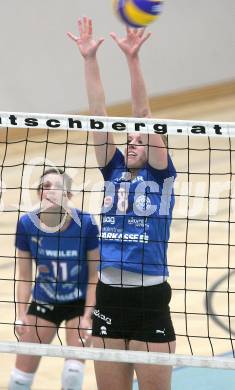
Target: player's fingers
(80, 26)
(90, 27)
(114, 36)
(100, 41)
(85, 24)
(145, 37)
(141, 31)
(72, 36)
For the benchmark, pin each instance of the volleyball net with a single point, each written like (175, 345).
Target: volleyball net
(201, 250)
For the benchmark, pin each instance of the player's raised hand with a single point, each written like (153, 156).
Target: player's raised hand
(132, 42)
(86, 43)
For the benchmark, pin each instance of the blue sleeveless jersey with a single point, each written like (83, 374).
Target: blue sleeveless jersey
(60, 257)
(136, 217)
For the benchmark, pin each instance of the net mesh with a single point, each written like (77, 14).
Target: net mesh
(201, 254)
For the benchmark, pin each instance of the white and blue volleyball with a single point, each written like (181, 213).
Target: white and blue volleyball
(137, 13)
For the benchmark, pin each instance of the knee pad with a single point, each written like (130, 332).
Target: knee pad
(72, 375)
(20, 380)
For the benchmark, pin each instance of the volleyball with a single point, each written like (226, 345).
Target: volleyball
(137, 13)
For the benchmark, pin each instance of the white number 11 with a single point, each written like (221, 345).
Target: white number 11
(63, 267)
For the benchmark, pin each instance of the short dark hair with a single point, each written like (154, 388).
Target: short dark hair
(57, 171)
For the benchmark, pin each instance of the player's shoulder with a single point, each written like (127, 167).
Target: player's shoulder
(25, 219)
(89, 221)
(86, 218)
(118, 157)
(117, 161)
(29, 220)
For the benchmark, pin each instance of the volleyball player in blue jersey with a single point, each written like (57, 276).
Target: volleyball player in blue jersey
(133, 295)
(63, 243)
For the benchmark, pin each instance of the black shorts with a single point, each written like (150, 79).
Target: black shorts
(137, 313)
(57, 312)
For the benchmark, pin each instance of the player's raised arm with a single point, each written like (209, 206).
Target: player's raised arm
(88, 46)
(130, 45)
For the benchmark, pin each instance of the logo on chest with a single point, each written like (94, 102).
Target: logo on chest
(37, 240)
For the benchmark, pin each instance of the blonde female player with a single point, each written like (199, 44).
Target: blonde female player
(133, 295)
(64, 245)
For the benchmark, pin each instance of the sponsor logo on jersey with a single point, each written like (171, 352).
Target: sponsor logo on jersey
(128, 237)
(107, 219)
(143, 203)
(126, 176)
(138, 179)
(60, 253)
(37, 240)
(138, 222)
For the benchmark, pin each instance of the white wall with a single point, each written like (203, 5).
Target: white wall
(193, 44)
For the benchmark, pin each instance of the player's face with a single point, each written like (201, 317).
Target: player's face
(135, 152)
(53, 193)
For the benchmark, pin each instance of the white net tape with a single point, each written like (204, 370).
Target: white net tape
(114, 355)
(116, 124)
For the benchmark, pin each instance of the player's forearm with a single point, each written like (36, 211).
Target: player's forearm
(90, 298)
(23, 297)
(95, 91)
(140, 102)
